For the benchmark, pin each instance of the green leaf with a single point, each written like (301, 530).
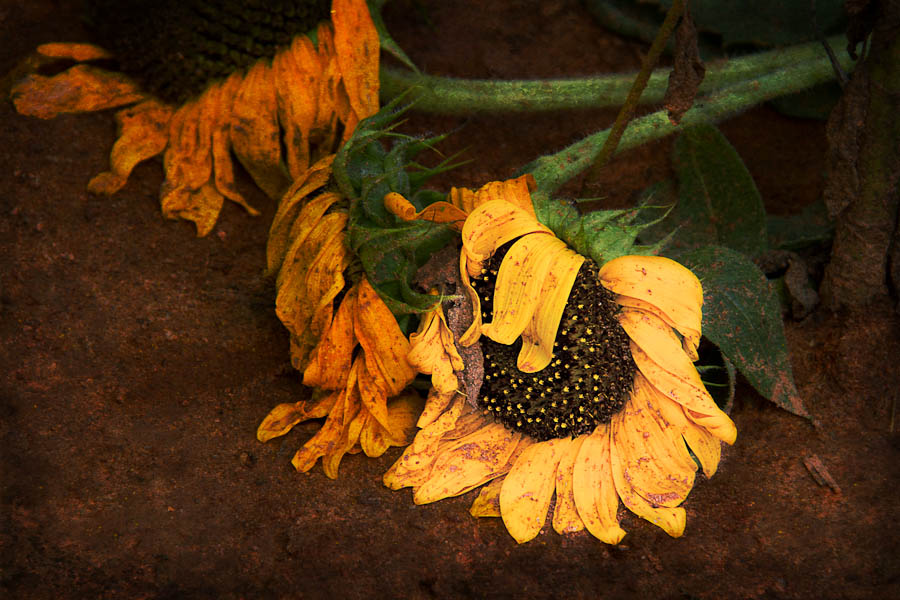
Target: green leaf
(811, 226)
(718, 203)
(741, 316)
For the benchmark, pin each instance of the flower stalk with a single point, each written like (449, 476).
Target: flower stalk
(554, 170)
(447, 95)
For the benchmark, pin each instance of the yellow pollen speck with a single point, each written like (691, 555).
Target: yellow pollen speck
(566, 389)
(596, 376)
(589, 331)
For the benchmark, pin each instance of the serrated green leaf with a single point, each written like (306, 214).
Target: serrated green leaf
(741, 316)
(718, 203)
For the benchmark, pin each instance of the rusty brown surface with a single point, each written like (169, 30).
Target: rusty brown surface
(137, 361)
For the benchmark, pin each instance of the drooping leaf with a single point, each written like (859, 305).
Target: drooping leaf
(742, 316)
(718, 203)
(811, 226)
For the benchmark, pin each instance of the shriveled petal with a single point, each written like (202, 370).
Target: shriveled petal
(473, 333)
(282, 230)
(414, 465)
(490, 226)
(403, 413)
(438, 212)
(331, 439)
(653, 458)
(468, 463)
(324, 129)
(528, 488)
(221, 98)
(433, 352)
(82, 88)
(283, 417)
(520, 279)
(487, 504)
(659, 357)
(372, 392)
(705, 446)
(330, 360)
(670, 520)
(382, 340)
(255, 134)
(357, 47)
(73, 51)
(515, 191)
(594, 489)
(670, 287)
(565, 513)
(297, 70)
(143, 133)
(540, 334)
(462, 198)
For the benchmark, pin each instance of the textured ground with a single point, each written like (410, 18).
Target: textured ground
(136, 361)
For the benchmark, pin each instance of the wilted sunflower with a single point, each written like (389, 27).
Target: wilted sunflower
(589, 387)
(344, 339)
(275, 82)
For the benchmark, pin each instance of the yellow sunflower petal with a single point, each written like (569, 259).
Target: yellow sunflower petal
(82, 88)
(382, 340)
(433, 352)
(705, 446)
(403, 413)
(281, 232)
(462, 198)
(468, 463)
(255, 134)
(372, 393)
(354, 421)
(528, 488)
(331, 437)
(594, 490)
(438, 212)
(659, 357)
(670, 520)
(414, 465)
(435, 405)
(325, 126)
(540, 333)
(223, 167)
(487, 504)
(357, 47)
(73, 51)
(565, 513)
(673, 289)
(515, 191)
(283, 417)
(520, 280)
(143, 133)
(329, 361)
(654, 460)
(470, 335)
(490, 226)
(297, 71)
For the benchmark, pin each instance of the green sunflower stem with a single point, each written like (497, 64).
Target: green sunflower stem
(554, 170)
(446, 95)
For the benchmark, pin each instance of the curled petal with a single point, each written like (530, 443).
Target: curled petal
(432, 351)
(143, 133)
(540, 334)
(287, 225)
(671, 288)
(222, 98)
(528, 488)
(73, 51)
(670, 520)
(468, 463)
(255, 134)
(283, 417)
(659, 357)
(515, 191)
(438, 212)
(490, 226)
(520, 279)
(565, 513)
(82, 88)
(705, 446)
(383, 341)
(653, 458)
(329, 361)
(594, 490)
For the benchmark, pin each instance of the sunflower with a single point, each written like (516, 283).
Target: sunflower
(279, 101)
(589, 389)
(344, 339)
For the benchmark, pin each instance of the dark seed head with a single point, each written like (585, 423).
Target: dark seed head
(589, 378)
(175, 48)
